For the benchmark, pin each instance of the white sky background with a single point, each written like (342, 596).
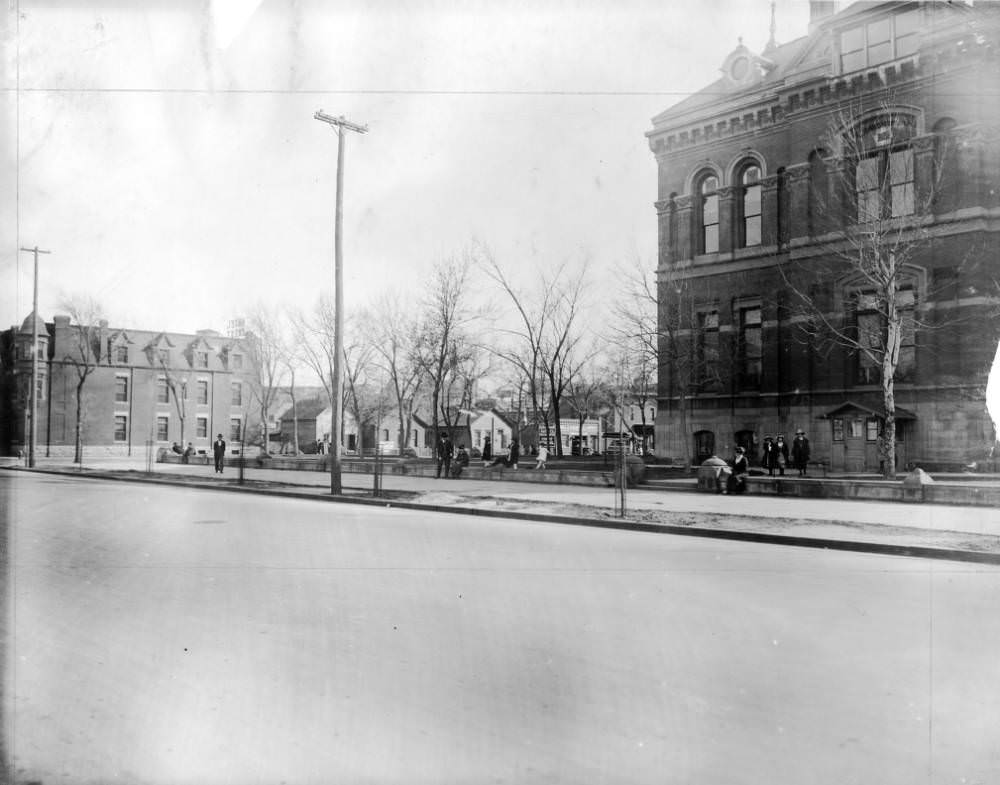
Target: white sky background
(166, 152)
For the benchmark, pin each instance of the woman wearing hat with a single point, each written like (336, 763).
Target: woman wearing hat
(736, 481)
(781, 447)
(800, 452)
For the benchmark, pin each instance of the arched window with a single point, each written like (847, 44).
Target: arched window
(708, 214)
(750, 206)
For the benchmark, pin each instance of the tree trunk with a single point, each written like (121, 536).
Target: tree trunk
(684, 433)
(889, 429)
(555, 419)
(78, 448)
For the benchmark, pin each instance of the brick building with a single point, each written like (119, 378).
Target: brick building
(756, 193)
(140, 385)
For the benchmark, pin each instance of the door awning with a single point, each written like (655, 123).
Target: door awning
(852, 406)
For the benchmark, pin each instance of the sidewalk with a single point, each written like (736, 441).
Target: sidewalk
(968, 533)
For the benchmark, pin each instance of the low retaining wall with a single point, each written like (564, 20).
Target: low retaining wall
(415, 469)
(875, 490)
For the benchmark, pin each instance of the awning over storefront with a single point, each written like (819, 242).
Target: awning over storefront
(852, 406)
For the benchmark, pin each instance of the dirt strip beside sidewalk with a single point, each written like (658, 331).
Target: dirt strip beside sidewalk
(789, 531)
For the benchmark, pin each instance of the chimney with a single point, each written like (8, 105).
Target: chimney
(820, 10)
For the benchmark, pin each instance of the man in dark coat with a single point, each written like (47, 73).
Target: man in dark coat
(770, 455)
(515, 453)
(219, 451)
(443, 454)
(800, 452)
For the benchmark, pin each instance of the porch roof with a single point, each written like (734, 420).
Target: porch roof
(847, 406)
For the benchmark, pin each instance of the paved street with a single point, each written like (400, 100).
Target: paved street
(927, 517)
(164, 635)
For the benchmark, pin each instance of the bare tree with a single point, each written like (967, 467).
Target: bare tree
(655, 322)
(359, 352)
(84, 355)
(546, 335)
(313, 334)
(443, 343)
(267, 350)
(879, 207)
(394, 345)
(586, 394)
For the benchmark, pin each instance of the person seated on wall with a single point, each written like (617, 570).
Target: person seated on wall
(176, 447)
(460, 462)
(736, 477)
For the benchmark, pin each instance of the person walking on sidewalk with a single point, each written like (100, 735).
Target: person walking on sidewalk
(515, 453)
(219, 452)
(542, 457)
(443, 454)
(800, 452)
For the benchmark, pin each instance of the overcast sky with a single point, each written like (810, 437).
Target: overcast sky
(166, 153)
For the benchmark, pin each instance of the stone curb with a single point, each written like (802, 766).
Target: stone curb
(854, 546)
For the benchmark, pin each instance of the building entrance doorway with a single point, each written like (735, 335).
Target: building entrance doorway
(856, 433)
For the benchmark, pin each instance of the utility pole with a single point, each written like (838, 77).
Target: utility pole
(340, 125)
(33, 415)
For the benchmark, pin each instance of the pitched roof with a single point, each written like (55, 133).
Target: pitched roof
(306, 410)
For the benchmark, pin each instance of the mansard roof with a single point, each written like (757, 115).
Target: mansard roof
(40, 327)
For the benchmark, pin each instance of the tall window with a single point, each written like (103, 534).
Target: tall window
(708, 214)
(201, 427)
(121, 388)
(237, 396)
(884, 183)
(750, 347)
(162, 425)
(871, 322)
(121, 427)
(162, 391)
(750, 207)
(708, 348)
(883, 170)
(234, 429)
(879, 42)
(202, 391)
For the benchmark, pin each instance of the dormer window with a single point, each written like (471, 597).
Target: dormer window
(164, 356)
(878, 42)
(121, 354)
(201, 359)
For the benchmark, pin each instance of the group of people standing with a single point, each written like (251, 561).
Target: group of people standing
(777, 456)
